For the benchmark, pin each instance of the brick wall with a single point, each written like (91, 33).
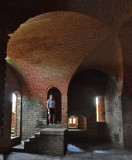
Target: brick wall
(51, 141)
(11, 86)
(125, 35)
(113, 110)
(34, 114)
(34, 117)
(82, 122)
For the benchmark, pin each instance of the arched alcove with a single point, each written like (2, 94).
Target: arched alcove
(57, 97)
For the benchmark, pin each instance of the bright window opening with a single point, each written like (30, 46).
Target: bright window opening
(100, 109)
(73, 122)
(16, 115)
(97, 108)
(70, 120)
(13, 103)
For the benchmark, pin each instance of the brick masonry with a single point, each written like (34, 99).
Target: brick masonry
(51, 61)
(49, 141)
(114, 13)
(34, 117)
(113, 110)
(125, 35)
(50, 56)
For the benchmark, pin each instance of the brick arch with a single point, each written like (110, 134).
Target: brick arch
(106, 53)
(86, 87)
(57, 95)
(13, 17)
(18, 93)
(82, 91)
(48, 89)
(74, 37)
(106, 30)
(53, 86)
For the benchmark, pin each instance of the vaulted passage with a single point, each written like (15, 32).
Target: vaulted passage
(89, 96)
(78, 51)
(83, 91)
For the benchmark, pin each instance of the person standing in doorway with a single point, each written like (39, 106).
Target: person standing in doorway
(51, 109)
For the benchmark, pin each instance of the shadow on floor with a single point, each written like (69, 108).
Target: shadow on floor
(79, 150)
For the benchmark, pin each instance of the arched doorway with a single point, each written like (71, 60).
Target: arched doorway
(16, 115)
(84, 114)
(57, 97)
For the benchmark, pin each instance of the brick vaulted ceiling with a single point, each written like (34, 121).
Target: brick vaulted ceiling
(111, 12)
(50, 47)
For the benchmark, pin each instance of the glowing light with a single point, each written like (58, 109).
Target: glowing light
(97, 103)
(13, 102)
(74, 120)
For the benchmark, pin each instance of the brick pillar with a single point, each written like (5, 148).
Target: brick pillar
(125, 35)
(3, 48)
(127, 111)
(64, 111)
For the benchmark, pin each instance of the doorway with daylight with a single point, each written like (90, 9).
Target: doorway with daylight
(16, 115)
(57, 97)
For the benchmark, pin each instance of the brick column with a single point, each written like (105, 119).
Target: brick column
(3, 48)
(4, 141)
(64, 111)
(125, 35)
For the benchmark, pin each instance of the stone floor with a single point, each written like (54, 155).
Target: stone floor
(78, 151)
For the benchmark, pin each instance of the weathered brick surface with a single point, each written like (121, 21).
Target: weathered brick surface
(107, 57)
(10, 86)
(34, 117)
(125, 35)
(114, 13)
(48, 143)
(113, 110)
(49, 56)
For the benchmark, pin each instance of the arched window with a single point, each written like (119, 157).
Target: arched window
(16, 114)
(100, 109)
